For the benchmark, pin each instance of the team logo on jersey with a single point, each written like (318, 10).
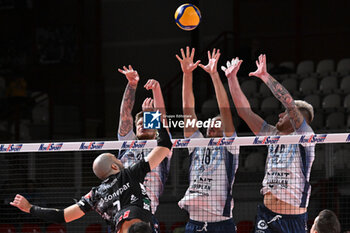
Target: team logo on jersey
(91, 146)
(133, 198)
(146, 204)
(313, 138)
(181, 142)
(134, 144)
(11, 147)
(50, 147)
(262, 225)
(348, 139)
(221, 141)
(151, 120)
(266, 140)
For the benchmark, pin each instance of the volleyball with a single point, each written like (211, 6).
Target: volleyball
(187, 16)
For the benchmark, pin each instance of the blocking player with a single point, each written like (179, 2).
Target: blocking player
(286, 186)
(208, 199)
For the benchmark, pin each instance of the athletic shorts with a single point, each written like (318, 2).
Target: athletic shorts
(270, 222)
(227, 226)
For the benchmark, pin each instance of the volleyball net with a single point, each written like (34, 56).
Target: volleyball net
(57, 174)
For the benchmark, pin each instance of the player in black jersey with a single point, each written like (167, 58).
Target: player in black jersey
(120, 199)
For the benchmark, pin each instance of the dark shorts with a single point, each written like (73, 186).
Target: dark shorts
(227, 226)
(270, 222)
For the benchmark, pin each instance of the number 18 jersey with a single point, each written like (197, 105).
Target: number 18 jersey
(212, 172)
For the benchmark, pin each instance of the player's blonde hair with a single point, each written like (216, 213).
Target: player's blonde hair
(302, 104)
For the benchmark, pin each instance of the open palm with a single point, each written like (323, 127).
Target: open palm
(261, 64)
(232, 67)
(186, 61)
(211, 67)
(130, 74)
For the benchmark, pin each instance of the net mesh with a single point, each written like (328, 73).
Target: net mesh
(59, 179)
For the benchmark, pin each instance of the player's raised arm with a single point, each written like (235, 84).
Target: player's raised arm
(220, 92)
(164, 144)
(240, 100)
(280, 92)
(126, 119)
(69, 214)
(154, 85)
(188, 103)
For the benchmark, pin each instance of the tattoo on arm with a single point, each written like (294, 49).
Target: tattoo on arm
(126, 119)
(282, 94)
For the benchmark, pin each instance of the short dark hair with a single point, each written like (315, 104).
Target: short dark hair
(327, 222)
(138, 116)
(140, 227)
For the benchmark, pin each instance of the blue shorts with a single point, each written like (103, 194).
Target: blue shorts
(227, 226)
(270, 222)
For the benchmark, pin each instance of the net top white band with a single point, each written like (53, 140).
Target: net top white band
(177, 143)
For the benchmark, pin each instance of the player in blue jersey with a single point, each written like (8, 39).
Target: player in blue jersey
(155, 180)
(286, 186)
(208, 199)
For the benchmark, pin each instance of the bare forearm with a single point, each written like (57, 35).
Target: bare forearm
(240, 100)
(223, 103)
(188, 103)
(159, 103)
(126, 120)
(282, 94)
(279, 91)
(187, 91)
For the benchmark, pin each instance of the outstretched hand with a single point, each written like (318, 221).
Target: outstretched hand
(262, 67)
(151, 84)
(147, 105)
(186, 62)
(232, 67)
(213, 58)
(130, 74)
(21, 203)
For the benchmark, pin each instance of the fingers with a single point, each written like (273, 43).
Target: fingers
(251, 74)
(223, 68)
(178, 58)
(197, 63)
(217, 56)
(121, 71)
(182, 53)
(151, 84)
(192, 53)
(187, 51)
(147, 104)
(209, 56)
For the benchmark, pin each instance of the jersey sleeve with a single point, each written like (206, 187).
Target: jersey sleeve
(304, 128)
(139, 170)
(196, 134)
(267, 129)
(86, 202)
